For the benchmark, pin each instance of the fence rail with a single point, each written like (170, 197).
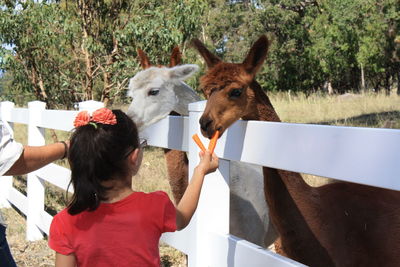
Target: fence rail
(361, 155)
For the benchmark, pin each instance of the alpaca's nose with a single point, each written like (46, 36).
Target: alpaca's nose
(205, 123)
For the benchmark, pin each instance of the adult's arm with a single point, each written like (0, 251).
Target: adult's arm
(35, 157)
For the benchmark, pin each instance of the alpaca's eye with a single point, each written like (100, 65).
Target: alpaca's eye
(153, 91)
(235, 93)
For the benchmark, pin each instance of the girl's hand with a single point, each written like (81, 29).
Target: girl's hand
(208, 163)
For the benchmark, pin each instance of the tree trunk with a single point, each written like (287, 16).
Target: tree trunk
(107, 85)
(89, 68)
(362, 78)
(107, 75)
(387, 84)
(87, 19)
(398, 83)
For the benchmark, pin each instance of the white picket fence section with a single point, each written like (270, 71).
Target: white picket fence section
(38, 119)
(361, 155)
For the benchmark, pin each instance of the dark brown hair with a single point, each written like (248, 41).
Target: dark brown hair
(98, 153)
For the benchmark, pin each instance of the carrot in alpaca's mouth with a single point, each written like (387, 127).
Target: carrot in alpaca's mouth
(211, 145)
(213, 142)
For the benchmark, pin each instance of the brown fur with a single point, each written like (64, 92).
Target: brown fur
(339, 224)
(177, 161)
(176, 57)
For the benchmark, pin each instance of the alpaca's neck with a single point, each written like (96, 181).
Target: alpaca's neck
(185, 95)
(177, 167)
(286, 192)
(264, 111)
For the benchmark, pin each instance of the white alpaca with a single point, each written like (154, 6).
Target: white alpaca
(158, 91)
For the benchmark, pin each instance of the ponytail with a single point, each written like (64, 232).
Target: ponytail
(97, 154)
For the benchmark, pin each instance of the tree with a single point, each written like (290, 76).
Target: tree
(31, 30)
(232, 27)
(72, 50)
(85, 49)
(356, 36)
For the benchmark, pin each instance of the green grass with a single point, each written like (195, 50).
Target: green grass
(360, 110)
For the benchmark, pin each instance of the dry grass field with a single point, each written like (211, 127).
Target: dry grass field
(364, 110)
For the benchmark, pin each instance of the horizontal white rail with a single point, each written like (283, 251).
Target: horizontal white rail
(44, 221)
(19, 200)
(18, 115)
(243, 253)
(181, 240)
(56, 175)
(58, 119)
(360, 155)
(174, 131)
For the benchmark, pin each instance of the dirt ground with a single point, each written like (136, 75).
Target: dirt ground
(25, 253)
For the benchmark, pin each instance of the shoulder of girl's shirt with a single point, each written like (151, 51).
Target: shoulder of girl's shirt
(62, 215)
(158, 195)
(63, 212)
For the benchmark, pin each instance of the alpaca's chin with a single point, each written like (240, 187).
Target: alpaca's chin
(138, 122)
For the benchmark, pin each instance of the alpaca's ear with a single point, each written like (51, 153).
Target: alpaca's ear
(183, 72)
(256, 56)
(176, 57)
(135, 160)
(144, 60)
(209, 57)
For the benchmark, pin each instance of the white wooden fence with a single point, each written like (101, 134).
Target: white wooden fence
(361, 155)
(38, 119)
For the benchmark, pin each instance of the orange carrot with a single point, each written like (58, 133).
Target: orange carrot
(198, 142)
(213, 142)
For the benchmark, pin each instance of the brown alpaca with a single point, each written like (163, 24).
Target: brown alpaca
(338, 224)
(177, 161)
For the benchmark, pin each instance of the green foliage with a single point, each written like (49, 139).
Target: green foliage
(37, 55)
(354, 34)
(72, 50)
(78, 50)
(313, 42)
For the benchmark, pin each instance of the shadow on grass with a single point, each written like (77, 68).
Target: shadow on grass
(389, 119)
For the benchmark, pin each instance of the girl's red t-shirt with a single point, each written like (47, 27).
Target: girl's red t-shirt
(124, 233)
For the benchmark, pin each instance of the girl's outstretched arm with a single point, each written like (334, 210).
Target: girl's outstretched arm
(65, 260)
(188, 204)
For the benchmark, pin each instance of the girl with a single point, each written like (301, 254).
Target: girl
(107, 223)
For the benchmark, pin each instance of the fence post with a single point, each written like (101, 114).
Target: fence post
(5, 181)
(35, 186)
(90, 105)
(212, 213)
